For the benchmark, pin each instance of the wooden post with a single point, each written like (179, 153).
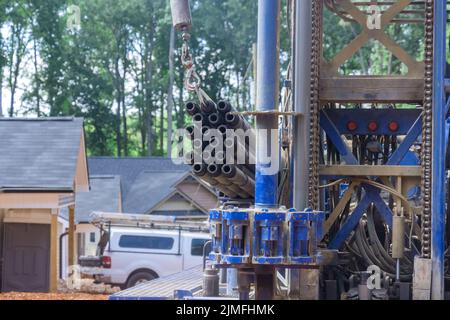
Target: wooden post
(71, 244)
(54, 251)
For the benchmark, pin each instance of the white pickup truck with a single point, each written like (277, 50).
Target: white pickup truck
(128, 256)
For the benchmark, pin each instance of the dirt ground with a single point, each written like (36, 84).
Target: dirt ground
(51, 296)
(88, 291)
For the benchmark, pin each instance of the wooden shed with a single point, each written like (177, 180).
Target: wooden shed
(42, 166)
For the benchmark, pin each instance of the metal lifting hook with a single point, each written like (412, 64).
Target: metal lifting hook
(181, 16)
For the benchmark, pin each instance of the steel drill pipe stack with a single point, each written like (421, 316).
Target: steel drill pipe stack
(240, 148)
(232, 118)
(199, 118)
(192, 108)
(222, 117)
(208, 107)
(215, 171)
(215, 119)
(238, 177)
(235, 121)
(224, 107)
(200, 170)
(190, 132)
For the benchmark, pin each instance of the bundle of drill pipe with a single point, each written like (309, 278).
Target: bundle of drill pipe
(235, 180)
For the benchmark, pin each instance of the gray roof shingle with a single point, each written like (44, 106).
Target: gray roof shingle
(150, 188)
(39, 153)
(103, 196)
(130, 168)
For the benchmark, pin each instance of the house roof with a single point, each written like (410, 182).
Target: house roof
(103, 196)
(130, 168)
(42, 153)
(150, 189)
(146, 182)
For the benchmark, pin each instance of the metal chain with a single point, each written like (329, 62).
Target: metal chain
(192, 81)
(426, 152)
(314, 130)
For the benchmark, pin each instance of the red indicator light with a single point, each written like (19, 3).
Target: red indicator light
(373, 126)
(393, 126)
(352, 126)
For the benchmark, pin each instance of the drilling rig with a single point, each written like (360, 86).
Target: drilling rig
(364, 155)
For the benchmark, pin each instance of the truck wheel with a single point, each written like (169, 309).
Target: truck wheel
(138, 278)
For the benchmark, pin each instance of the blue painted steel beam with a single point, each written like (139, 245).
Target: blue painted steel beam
(268, 61)
(350, 223)
(404, 118)
(447, 107)
(383, 209)
(403, 148)
(438, 156)
(335, 136)
(372, 195)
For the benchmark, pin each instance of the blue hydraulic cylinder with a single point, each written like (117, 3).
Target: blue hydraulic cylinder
(268, 237)
(267, 91)
(305, 231)
(215, 222)
(235, 237)
(438, 156)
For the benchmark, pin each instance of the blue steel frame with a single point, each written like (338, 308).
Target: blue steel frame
(440, 142)
(410, 122)
(439, 162)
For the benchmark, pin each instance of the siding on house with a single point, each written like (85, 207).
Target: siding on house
(202, 197)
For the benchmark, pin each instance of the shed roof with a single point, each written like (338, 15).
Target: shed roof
(39, 153)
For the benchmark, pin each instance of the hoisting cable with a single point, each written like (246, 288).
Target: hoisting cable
(182, 21)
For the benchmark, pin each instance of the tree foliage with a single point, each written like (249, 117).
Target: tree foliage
(113, 69)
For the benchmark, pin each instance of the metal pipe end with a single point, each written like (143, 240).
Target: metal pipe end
(214, 119)
(220, 156)
(229, 143)
(207, 156)
(198, 143)
(232, 120)
(214, 142)
(214, 170)
(224, 106)
(205, 129)
(198, 117)
(190, 131)
(192, 108)
(228, 170)
(222, 129)
(199, 169)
